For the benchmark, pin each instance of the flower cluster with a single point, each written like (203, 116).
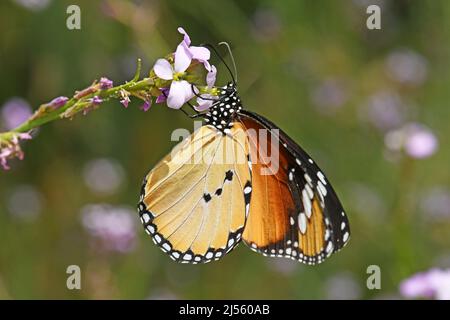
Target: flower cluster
(181, 90)
(112, 228)
(175, 80)
(432, 284)
(415, 139)
(10, 148)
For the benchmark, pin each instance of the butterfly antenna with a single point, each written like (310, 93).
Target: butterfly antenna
(221, 59)
(232, 60)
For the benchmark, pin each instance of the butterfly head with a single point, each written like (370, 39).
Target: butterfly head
(223, 111)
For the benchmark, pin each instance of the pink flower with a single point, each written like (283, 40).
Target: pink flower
(58, 102)
(181, 91)
(11, 149)
(163, 96)
(421, 143)
(125, 101)
(434, 283)
(105, 83)
(414, 138)
(200, 54)
(112, 228)
(206, 103)
(96, 100)
(14, 112)
(125, 98)
(146, 106)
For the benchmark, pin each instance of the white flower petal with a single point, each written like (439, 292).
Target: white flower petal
(163, 69)
(203, 104)
(180, 92)
(186, 39)
(201, 54)
(211, 77)
(183, 58)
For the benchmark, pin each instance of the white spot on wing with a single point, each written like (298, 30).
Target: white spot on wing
(345, 237)
(309, 190)
(291, 176)
(307, 203)
(146, 217)
(308, 179)
(187, 257)
(302, 222)
(321, 188)
(321, 177)
(329, 248)
(167, 246)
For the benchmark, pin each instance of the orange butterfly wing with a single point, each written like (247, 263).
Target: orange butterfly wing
(286, 217)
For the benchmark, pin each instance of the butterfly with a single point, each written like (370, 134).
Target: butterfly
(218, 187)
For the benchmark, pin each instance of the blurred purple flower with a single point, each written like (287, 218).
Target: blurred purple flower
(407, 67)
(365, 3)
(329, 96)
(34, 5)
(367, 201)
(25, 203)
(206, 102)
(113, 227)
(384, 110)
(342, 287)
(415, 139)
(146, 105)
(421, 142)
(14, 112)
(435, 203)
(103, 176)
(162, 294)
(284, 266)
(105, 83)
(432, 284)
(265, 25)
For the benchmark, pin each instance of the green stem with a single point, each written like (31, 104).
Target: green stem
(402, 217)
(132, 86)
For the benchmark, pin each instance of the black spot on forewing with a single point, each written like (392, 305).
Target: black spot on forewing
(207, 197)
(229, 175)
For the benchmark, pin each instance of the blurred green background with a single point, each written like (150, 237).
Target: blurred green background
(371, 106)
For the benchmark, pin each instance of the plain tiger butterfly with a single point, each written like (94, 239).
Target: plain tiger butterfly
(216, 188)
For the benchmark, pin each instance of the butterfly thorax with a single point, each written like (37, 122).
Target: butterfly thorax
(224, 110)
